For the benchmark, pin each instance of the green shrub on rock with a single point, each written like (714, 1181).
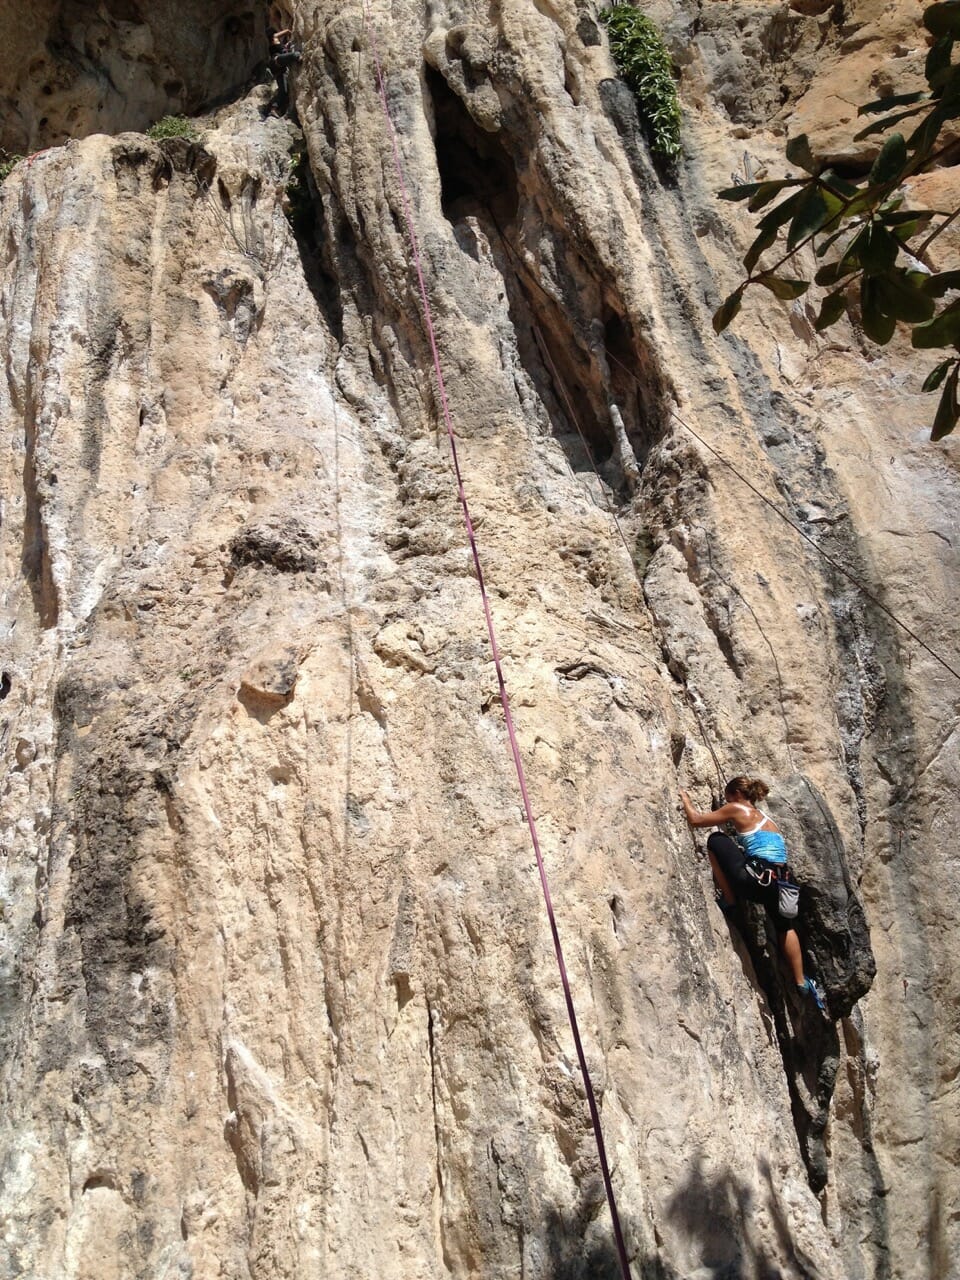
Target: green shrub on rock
(7, 163)
(173, 127)
(642, 59)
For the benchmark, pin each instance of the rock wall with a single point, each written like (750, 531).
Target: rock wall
(277, 991)
(68, 69)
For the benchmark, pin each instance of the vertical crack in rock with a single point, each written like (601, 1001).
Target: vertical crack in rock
(833, 925)
(35, 559)
(437, 1135)
(307, 216)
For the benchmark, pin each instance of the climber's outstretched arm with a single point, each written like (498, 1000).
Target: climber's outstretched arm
(711, 818)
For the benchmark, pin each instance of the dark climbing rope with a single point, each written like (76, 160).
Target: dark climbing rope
(504, 698)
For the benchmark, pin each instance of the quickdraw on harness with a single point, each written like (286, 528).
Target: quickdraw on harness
(505, 701)
(769, 874)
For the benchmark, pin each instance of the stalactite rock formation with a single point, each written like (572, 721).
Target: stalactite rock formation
(277, 987)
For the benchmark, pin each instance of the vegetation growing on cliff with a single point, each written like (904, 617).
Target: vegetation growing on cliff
(644, 63)
(7, 163)
(873, 250)
(173, 127)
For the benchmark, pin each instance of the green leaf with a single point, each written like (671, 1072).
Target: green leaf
(750, 190)
(887, 122)
(836, 205)
(798, 152)
(852, 252)
(937, 285)
(783, 288)
(903, 217)
(831, 309)
(812, 213)
(767, 190)
(758, 192)
(924, 138)
(866, 202)
(936, 375)
(950, 92)
(840, 185)
(832, 272)
(938, 64)
(887, 103)
(878, 326)
(824, 245)
(891, 161)
(877, 249)
(763, 242)
(948, 410)
(744, 191)
(942, 331)
(783, 211)
(943, 19)
(728, 309)
(898, 298)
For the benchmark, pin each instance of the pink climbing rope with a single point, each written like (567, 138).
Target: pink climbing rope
(491, 632)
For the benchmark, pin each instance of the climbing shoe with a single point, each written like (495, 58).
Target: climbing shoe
(810, 988)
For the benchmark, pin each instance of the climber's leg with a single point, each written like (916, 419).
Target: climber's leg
(728, 866)
(790, 945)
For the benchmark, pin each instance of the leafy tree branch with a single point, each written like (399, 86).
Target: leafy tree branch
(872, 249)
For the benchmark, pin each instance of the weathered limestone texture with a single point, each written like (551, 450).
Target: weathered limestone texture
(277, 993)
(69, 67)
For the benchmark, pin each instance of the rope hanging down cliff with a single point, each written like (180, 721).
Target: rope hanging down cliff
(491, 633)
(777, 511)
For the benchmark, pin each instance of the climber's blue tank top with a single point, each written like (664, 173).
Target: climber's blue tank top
(768, 845)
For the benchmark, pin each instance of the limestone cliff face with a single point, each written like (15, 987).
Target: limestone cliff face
(277, 996)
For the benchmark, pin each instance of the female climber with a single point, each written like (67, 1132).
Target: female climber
(754, 865)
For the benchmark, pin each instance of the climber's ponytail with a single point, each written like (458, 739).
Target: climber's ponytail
(752, 788)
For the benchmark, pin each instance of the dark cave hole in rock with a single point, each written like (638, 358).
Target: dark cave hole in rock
(476, 170)
(4, 685)
(566, 370)
(97, 1181)
(304, 211)
(556, 336)
(603, 383)
(478, 178)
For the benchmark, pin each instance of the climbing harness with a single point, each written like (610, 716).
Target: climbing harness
(491, 633)
(768, 874)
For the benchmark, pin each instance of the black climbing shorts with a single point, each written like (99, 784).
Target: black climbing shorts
(733, 863)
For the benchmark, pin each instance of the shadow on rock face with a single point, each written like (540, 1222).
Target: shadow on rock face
(834, 926)
(715, 1213)
(579, 1251)
(572, 1258)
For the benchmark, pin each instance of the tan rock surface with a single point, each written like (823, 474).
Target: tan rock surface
(277, 991)
(69, 68)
